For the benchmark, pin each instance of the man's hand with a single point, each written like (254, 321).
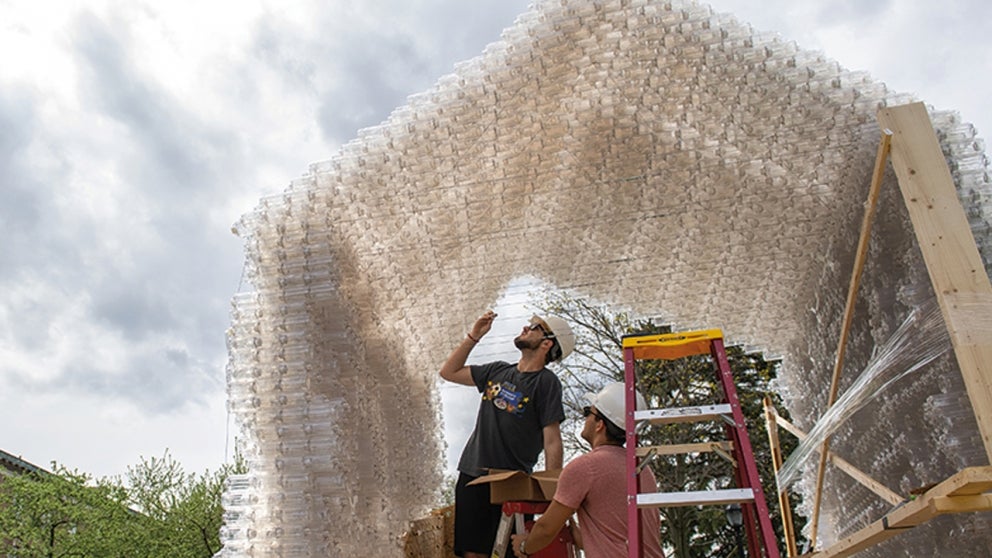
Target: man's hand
(454, 369)
(544, 529)
(483, 324)
(516, 541)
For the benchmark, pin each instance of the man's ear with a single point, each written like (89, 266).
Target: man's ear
(600, 424)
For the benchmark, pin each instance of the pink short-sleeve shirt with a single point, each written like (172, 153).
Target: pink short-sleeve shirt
(595, 485)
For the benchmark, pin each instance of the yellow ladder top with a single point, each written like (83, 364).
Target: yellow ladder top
(670, 346)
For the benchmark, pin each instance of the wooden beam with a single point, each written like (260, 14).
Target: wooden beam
(961, 504)
(962, 492)
(881, 157)
(959, 279)
(857, 474)
(785, 508)
(969, 481)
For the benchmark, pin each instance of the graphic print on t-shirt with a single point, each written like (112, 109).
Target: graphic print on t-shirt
(505, 397)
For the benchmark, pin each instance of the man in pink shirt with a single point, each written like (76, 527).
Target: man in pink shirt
(594, 485)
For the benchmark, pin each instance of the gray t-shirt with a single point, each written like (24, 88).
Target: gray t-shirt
(515, 408)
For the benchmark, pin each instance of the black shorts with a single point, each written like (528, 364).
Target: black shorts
(476, 520)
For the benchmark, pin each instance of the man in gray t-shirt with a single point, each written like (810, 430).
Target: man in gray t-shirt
(519, 416)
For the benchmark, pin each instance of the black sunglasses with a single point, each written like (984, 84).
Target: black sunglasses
(547, 334)
(586, 411)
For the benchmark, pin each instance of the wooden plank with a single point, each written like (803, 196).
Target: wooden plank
(861, 254)
(695, 498)
(953, 262)
(784, 506)
(847, 467)
(972, 480)
(962, 492)
(964, 484)
(962, 504)
(865, 538)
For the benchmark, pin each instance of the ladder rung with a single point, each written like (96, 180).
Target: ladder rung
(677, 449)
(698, 498)
(683, 414)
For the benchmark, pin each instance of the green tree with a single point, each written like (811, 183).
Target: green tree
(63, 514)
(688, 532)
(157, 510)
(185, 508)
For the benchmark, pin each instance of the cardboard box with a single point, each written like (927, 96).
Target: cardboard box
(508, 486)
(432, 536)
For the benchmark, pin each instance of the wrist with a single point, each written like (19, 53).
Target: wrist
(474, 340)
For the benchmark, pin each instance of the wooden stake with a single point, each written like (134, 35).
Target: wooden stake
(852, 294)
(788, 528)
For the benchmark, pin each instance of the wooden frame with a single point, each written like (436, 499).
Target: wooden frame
(960, 284)
(955, 267)
(962, 492)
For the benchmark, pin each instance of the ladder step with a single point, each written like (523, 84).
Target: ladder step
(678, 449)
(698, 498)
(683, 414)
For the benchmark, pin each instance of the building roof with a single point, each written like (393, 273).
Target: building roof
(15, 465)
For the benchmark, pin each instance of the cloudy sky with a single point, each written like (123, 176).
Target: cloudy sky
(133, 134)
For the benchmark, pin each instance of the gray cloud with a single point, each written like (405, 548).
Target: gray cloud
(40, 246)
(20, 203)
(846, 12)
(132, 309)
(29, 235)
(27, 323)
(166, 270)
(154, 124)
(180, 169)
(371, 90)
(158, 381)
(363, 64)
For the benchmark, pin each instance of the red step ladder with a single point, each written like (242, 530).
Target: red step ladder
(513, 516)
(761, 540)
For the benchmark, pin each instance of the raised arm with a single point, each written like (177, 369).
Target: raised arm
(454, 369)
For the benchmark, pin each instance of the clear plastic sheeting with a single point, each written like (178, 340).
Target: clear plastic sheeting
(650, 154)
(918, 342)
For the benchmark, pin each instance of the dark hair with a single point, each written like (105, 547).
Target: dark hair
(613, 432)
(554, 353)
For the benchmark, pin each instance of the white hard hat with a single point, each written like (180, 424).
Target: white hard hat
(611, 402)
(560, 332)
